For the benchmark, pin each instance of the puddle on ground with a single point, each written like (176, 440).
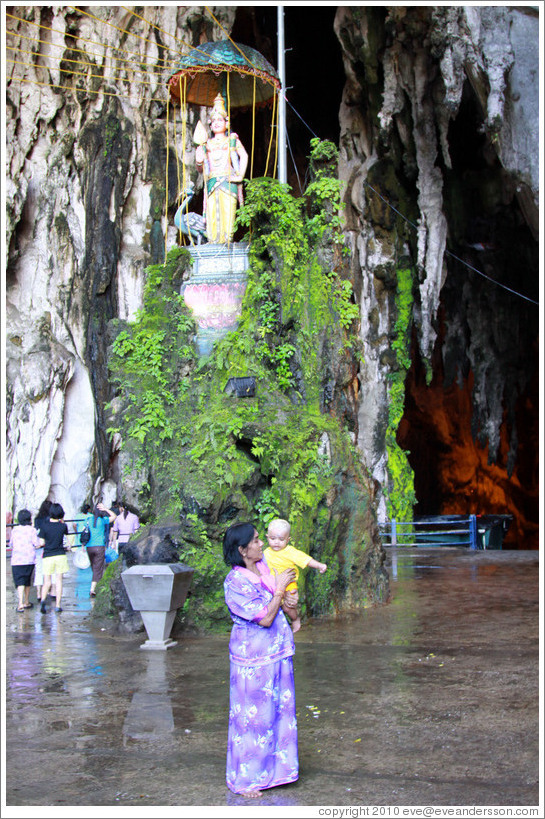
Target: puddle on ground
(433, 696)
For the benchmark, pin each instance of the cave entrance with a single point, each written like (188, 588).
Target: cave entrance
(452, 469)
(472, 434)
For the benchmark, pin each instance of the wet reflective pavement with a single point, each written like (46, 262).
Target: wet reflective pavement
(432, 699)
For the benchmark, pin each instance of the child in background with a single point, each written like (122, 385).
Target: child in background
(280, 555)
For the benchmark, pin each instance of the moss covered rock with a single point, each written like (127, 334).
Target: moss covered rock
(212, 458)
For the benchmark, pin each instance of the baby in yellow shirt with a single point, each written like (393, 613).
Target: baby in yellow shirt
(280, 556)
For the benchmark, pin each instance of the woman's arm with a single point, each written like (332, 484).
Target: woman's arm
(272, 610)
(282, 581)
(291, 612)
(111, 515)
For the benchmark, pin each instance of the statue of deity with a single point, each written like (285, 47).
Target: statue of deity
(222, 159)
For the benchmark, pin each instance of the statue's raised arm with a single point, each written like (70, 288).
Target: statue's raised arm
(223, 160)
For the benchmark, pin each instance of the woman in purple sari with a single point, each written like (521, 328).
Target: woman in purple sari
(262, 739)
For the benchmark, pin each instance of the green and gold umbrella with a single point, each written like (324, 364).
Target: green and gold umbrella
(239, 73)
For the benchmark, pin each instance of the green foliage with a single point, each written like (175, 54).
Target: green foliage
(206, 558)
(260, 457)
(111, 131)
(147, 355)
(292, 295)
(324, 152)
(103, 606)
(402, 326)
(401, 495)
(323, 585)
(324, 194)
(349, 312)
(269, 205)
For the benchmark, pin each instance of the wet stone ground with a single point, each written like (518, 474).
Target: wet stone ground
(432, 699)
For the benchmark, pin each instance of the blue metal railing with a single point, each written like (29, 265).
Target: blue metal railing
(459, 532)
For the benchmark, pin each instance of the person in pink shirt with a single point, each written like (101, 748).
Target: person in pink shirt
(125, 525)
(24, 541)
(9, 521)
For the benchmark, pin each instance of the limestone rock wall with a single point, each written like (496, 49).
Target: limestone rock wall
(407, 71)
(86, 143)
(85, 190)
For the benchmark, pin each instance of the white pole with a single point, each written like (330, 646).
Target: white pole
(282, 151)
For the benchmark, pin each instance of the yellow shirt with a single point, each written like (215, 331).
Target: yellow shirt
(287, 558)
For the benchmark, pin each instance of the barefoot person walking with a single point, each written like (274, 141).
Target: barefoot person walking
(262, 737)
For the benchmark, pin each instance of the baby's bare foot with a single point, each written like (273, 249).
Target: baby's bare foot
(296, 625)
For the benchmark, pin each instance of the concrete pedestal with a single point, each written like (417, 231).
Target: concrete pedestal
(215, 289)
(158, 626)
(157, 591)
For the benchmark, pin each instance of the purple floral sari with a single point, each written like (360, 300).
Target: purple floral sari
(262, 738)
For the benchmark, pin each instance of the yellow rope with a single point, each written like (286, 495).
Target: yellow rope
(229, 114)
(229, 38)
(107, 22)
(178, 159)
(178, 42)
(229, 134)
(73, 88)
(253, 134)
(171, 63)
(272, 132)
(183, 110)
(125, 31)
(181, 43)
(81, 39)
(277, 141)
(166, 190)
(149, 69)
(78, 73)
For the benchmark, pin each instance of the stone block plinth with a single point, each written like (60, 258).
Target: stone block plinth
(157, 591)
(215, 289)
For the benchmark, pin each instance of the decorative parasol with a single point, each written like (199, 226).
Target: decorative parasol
(240, 73)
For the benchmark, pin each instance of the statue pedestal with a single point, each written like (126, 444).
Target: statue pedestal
(215, 289)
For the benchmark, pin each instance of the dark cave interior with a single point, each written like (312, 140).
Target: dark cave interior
(485, 361)
(444, 425)
(314, 77)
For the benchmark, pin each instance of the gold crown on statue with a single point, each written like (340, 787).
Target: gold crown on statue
(218, 109)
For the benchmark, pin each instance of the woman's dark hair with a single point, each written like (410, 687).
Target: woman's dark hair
(238, 535)
(44, 510)
(85, 508)
(56, 511)
(24, 518)
(98, 513)
(121, 504)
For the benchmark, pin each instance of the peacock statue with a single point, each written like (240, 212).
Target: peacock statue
(189, 222)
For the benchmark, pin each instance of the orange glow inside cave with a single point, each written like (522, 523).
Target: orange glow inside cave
(452, 474)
